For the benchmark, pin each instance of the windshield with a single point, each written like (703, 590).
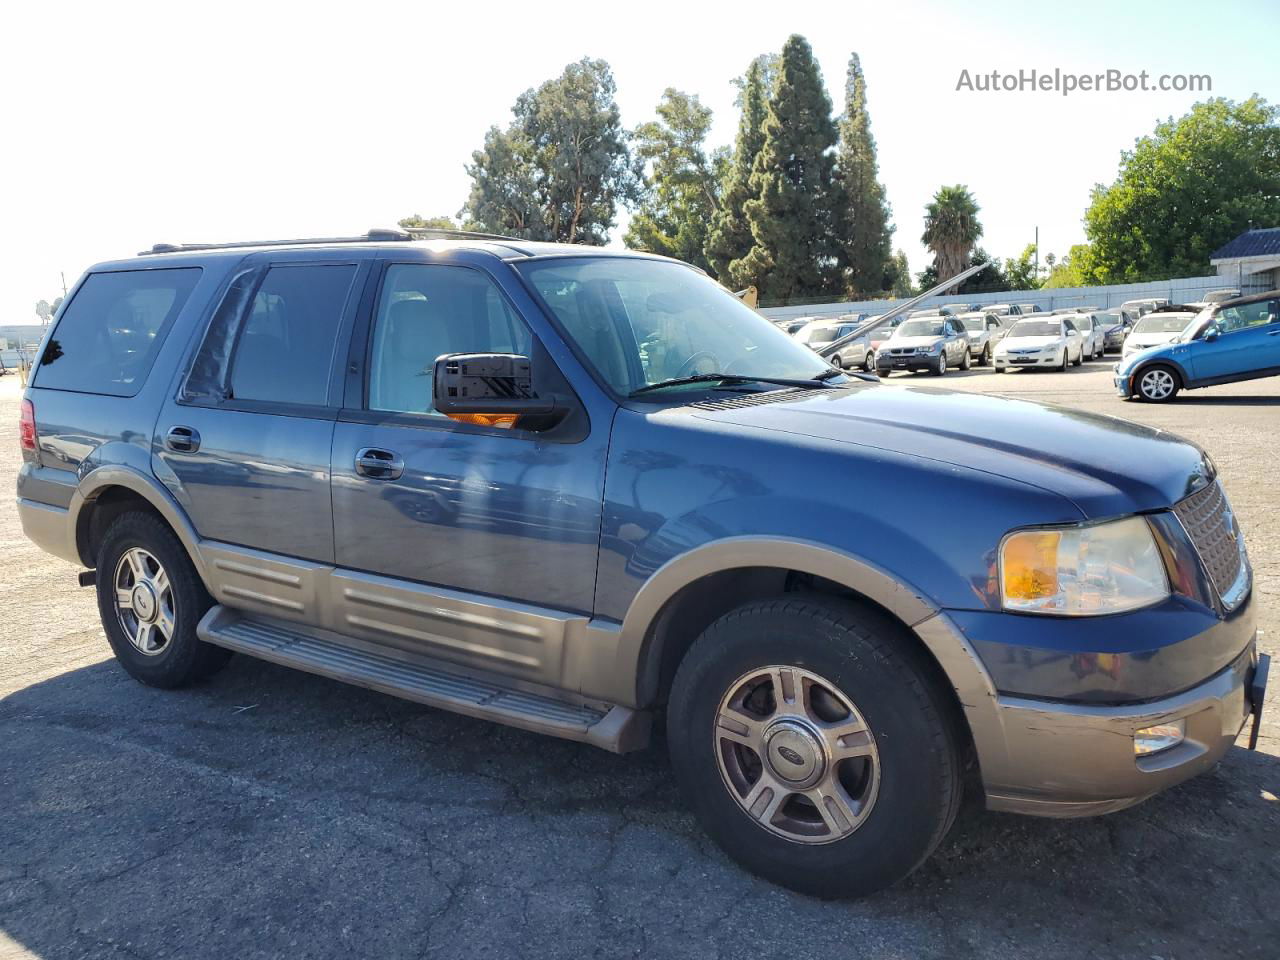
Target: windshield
(641, 322)
(1108, 317)
(973, 324)
(1036, 328)
(1162, 323)
(817, 335)
(920, 328)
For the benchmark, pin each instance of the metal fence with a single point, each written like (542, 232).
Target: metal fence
(1179, 290)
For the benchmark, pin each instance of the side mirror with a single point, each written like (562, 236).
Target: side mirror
(1211, 334)
(491, 390)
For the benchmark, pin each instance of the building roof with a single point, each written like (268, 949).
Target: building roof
(1251, 243)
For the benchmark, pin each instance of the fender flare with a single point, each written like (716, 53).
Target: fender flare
(957, 658)
(147, 487)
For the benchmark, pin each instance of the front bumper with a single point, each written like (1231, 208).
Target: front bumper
(1124, 386)
(919, 361)
(1034, 360)
(1069, 760)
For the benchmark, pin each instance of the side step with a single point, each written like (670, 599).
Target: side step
(614, 728)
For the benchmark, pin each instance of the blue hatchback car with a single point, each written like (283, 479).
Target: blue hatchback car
(1226, 343)
(575, 490)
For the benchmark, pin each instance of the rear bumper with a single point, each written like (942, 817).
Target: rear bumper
(1070, 760)
(49, 528)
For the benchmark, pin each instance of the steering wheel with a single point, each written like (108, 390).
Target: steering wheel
(687, 368)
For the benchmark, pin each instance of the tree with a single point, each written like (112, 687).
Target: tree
(428, 223)
(1191, 186)
(1021, 273)
(1072, 270)
(562, 167)
(43, 310)
(729, 237)
(680, 190)
(790, 212)
(898, 276)
(863, 215)
(990, 280)
(951, 229)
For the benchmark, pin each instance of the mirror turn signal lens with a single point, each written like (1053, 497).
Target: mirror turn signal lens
(504, 421)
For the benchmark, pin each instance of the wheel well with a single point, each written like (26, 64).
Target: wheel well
(699, 604)
(99, 513)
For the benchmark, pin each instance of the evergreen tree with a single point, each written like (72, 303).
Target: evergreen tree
(560, 170)
(794, 253)
(680, 191)
(863, 223)
(729, 237)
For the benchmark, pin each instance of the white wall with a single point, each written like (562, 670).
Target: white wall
(1181, 290)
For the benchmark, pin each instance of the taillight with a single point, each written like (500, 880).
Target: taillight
(27, 427)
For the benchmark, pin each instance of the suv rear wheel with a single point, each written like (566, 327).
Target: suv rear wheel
(150, 599)
(814, 747)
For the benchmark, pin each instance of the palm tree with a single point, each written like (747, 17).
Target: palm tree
(951, 229)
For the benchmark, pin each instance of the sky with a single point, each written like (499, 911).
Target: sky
(127, 124)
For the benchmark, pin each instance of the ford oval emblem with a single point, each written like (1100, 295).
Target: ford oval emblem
(791, 756)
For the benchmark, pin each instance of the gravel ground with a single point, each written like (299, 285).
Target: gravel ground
(275, 814)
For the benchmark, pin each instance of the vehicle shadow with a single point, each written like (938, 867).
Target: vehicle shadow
(273, 813)
(1209, 400)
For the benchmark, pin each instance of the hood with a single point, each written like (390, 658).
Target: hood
(1030, 343)
(916, 342)
(1104, 465)
(1140, 341)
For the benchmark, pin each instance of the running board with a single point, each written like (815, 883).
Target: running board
(614, 728)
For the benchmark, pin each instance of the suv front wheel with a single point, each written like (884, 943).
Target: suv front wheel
(1157, 384)
(815, 745)
(150, 599)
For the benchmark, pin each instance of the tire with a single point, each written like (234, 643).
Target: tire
(986, 355)
(913, 757)
(869, 362)
(837, 362)
(884, 374)
(967, 361)
(939, 369)
(1066, 360)
(1157, 383)
(174, 660)
(1080, 359)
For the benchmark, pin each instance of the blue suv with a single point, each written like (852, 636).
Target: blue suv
(576, 490)
(1226, 343)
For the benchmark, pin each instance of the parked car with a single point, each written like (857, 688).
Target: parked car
(1140, 308)
(1047, 342)
(1156, 328)
(856, 353)
(1221, 296)
(1092, 338)
(1022, 309)
(794, 326)
(1227, 342)
(575, 490)
(932, 342)
(1115, 325)
(983, 331)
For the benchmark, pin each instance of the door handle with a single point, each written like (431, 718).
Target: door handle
(378, 464)
(182, 439)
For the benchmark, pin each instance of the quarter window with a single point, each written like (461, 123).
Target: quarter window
(285, 350)
(108, 335)
(426, 311)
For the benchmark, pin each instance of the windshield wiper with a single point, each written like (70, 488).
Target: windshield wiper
(816, 383)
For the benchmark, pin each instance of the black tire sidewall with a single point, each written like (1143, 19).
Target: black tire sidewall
(186, 658)
(1142, 394)
(918, 767)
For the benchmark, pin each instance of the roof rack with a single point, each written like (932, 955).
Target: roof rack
(376, 235)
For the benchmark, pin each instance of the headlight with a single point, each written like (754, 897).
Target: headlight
(1082, 571)
(934, 348)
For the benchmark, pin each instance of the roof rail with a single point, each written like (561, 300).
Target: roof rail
(376, 235)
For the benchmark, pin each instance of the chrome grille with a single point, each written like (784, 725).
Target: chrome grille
(1206, 516)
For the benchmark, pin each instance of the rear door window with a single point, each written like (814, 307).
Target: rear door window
(108, 335)
(284, 352)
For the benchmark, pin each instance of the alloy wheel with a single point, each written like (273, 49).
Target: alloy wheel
(796, 754)
(1157, 384)
(144, 601)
